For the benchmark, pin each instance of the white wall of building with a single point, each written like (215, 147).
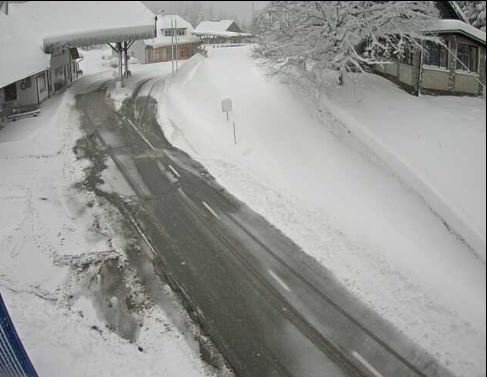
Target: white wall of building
(137, 50)
(61, 71)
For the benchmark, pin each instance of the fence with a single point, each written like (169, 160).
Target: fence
(14, 361)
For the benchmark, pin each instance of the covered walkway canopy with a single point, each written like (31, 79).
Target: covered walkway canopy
(95, 37)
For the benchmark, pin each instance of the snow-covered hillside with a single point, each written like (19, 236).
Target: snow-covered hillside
(436, 144)
(323, 188)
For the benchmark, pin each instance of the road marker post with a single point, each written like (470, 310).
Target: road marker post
(234, 134)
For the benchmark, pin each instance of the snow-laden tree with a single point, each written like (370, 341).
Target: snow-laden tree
(340, 35)
(475, 12)
(194, 12)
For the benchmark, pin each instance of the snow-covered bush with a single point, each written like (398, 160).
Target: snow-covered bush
(475, 12)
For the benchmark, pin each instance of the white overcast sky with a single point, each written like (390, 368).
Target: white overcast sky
(239, 10)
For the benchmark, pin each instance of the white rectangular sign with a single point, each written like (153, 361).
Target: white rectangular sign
(227, 105)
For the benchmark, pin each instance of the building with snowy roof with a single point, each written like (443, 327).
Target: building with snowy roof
(39, 41)
(221, 31)
(23, 76)
(173, 41)
(456, 66)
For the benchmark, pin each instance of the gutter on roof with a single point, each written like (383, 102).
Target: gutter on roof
(459, 31)
(223, 34)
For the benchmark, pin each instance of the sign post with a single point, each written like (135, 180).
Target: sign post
(227, 106)
(234, 134)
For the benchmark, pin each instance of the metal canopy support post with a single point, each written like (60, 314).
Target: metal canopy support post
(118, 49)
(122, 48)
(113, 48)
(120, 68)
(125, 56)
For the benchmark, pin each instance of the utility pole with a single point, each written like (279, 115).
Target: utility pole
(177, 45)
(172, 46)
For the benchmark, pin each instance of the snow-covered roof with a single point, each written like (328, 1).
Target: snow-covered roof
(83, 22)
(206, 27)
(166, 41)
(457, 26)
(164, 22)
(94, 37)
(218, 29)
(21, 53)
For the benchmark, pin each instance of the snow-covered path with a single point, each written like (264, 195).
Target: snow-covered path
(49, 233)
(326, 191)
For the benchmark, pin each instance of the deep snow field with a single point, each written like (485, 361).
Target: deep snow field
(435, 143)
(344, 202)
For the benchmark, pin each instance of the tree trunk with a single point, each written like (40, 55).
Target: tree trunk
(340, 78)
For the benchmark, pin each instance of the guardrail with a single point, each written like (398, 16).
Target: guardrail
(14, 361)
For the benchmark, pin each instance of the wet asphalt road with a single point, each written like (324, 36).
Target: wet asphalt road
(271, 309)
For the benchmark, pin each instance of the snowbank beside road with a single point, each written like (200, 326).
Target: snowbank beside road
(328, 193)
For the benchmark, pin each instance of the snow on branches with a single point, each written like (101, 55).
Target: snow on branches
(340, 35)
(475, 12)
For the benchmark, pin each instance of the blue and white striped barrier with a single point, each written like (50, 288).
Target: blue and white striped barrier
(14, 361)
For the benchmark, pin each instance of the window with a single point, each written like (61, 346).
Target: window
(159, 54)
(435, 55)
(26, 83)
(10, 92)
(156, 55)
(467, 57)
(171, 32)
